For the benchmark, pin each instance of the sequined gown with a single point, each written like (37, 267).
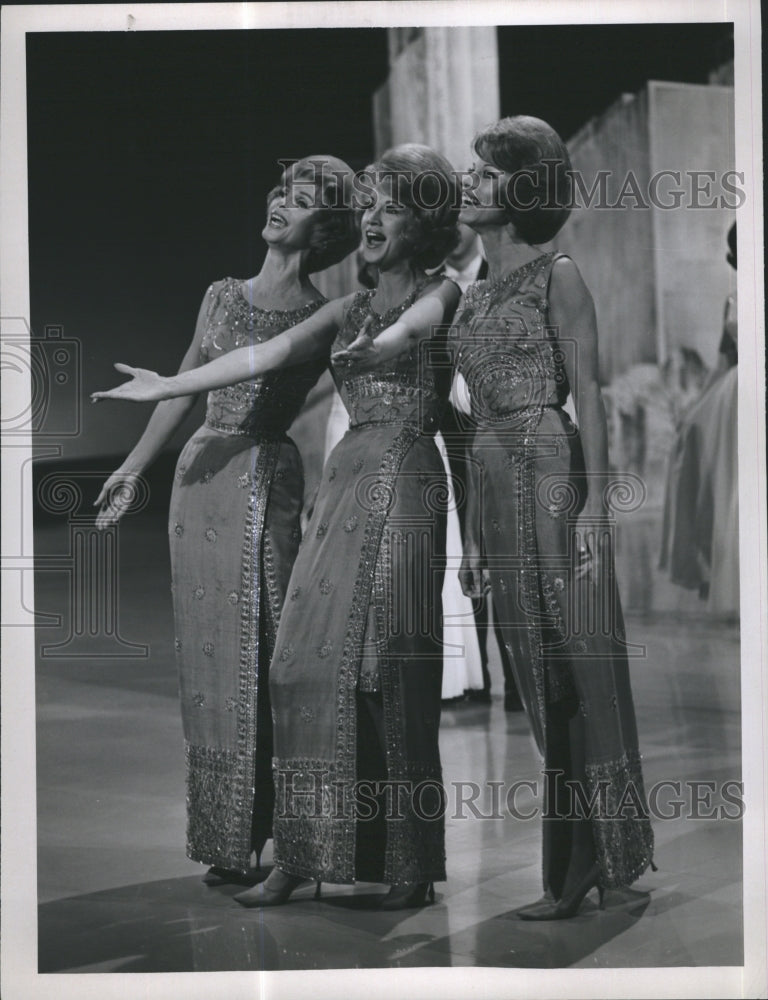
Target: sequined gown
(356, 678)
(564, 634)
(234, 533)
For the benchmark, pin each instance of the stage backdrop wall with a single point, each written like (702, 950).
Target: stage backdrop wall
(658, 275)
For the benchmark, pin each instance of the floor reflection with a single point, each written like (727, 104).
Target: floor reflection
(118, 895)
(179, 925)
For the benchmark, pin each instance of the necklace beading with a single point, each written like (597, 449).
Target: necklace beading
(488, 286)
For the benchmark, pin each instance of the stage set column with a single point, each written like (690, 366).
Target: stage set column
(443, 86)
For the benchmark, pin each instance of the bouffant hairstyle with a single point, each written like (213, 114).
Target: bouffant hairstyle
(336, 232)
(538, 196)
(426, 183)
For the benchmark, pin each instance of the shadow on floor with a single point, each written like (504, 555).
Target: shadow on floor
(178, 925)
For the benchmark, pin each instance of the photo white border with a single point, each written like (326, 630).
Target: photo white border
(18, 888)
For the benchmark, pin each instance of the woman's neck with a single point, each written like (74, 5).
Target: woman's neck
(460, 261)
(282, 282)
(505, 250)
(395, 285)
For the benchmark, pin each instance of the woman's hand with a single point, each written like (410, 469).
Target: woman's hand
(592, 537)
(362, 353)
(474, 579)
(144, 387)
(115, 497)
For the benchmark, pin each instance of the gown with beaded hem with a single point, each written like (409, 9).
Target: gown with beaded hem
(355, 682)
(562, 628)
(234, 533)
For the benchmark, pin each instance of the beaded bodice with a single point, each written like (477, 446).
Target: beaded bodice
(411, 388)
(509, 355)
(263, 406)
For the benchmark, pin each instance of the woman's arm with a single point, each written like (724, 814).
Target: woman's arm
(572, 312)
(304, 342)
(473, 576)
(417, 322)
(162, 425)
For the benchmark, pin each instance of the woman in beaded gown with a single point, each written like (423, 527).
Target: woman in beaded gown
(539, 531)
(355, 681)
(234, 517)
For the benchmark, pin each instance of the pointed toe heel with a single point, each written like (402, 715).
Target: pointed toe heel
(275, 894)
(407, 897)
(227, 876)
(568, 906)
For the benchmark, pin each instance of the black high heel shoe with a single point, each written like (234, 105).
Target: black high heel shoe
(228, 876)
(279, 892)
(567, 906)
(406, 897)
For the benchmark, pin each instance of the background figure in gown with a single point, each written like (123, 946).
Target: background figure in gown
(356, 675)
(538, 523)
(234, 519)
(700, 539)
(466, 265)
(465, 658)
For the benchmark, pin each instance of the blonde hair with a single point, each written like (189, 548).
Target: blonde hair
(427, 183)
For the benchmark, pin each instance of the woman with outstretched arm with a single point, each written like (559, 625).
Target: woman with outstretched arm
(355, 680)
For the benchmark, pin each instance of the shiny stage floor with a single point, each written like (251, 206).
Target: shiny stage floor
(116, 893)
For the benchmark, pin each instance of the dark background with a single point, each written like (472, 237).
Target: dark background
(150, 154)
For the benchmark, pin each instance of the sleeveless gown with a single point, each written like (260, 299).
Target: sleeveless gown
(564, 635)
(234, 533)
(356, 677)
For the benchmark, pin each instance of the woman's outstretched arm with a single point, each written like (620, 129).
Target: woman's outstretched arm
(434, 308)
(304, 342)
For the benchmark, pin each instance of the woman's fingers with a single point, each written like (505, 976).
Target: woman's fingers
(361, 345)
(592, 550)
(470, 580)
(359, 348)
(366, 325)
(117, 393)
(143, 386)
(110, 515)
(112, 510)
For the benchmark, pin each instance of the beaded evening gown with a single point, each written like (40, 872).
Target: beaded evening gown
(355, 680)
(462, 663)
(562, 630)
(234, 534)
